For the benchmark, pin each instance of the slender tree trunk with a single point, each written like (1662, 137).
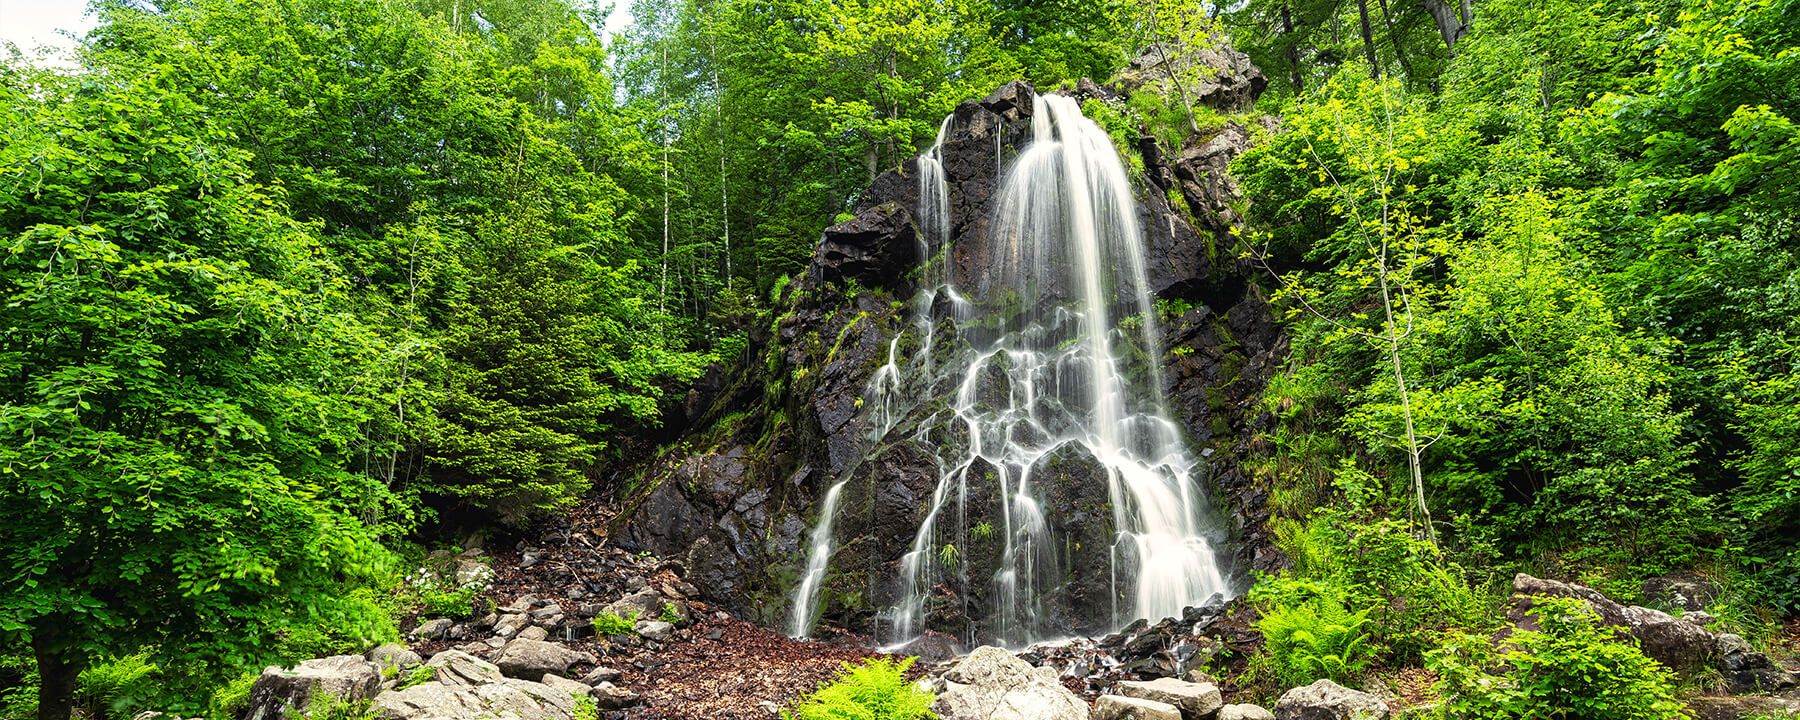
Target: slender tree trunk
(1413, 451)
(662, 296)
(724, 196)
(1368, 36)
(1293, 48)
(1162, 49)
(57, 673)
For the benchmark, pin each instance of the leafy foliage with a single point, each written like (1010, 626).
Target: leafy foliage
(1311, 635)
(1570, 667)
(875, 690)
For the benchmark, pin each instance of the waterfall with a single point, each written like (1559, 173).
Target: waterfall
(1044, 397)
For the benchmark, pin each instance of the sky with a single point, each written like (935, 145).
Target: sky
(31, 23)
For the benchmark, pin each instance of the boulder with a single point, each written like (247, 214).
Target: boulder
(459, 669)
(431, 701)
(567, 685)
(1119, 707)
(599, 675)
(393, 654)
(281, 693)
(1228, 82)
(1326, 700)
(1245, 712)
(1195, 700)
(992, 684)
(1681, 646)
(534, 633)
(531, 659)
(609, 697)
(510, 625)
(432, 629)
(1748, 671)
(643, 604)
(656, 630)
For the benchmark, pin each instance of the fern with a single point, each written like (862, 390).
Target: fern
(875, 690)
(1316, 638)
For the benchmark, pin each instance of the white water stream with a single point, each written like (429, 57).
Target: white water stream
(1042, 371)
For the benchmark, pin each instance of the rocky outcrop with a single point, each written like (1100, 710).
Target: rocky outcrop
(1217, 75)
(993, 684)
(290, 693)
(734, 499)
(875, 247)
(1326, 700)
(1680, 644)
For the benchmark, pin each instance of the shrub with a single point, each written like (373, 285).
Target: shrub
(444, 596)
(117, 688)
(875, 690)
(610, 624)
(670, 615)
(1312, 636)
(1572, 668)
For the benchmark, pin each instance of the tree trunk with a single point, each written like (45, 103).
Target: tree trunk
(663, 294)
(1450, 27)
(1368, 36)
(1293, 48)
(56, 681)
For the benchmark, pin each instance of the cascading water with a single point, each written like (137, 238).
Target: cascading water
(1053, 397)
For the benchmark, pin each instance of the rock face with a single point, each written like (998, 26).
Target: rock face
(992, 684)
(736, 498)
(282, 693)
(1326, 700)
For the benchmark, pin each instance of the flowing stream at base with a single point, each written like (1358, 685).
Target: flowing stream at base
(1058, 357)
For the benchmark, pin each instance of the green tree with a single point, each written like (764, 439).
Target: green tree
(173, 391)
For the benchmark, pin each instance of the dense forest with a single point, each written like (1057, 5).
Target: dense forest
(295, 293)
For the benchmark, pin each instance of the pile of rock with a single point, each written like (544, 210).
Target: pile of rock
(527, 683)
(1173, 648)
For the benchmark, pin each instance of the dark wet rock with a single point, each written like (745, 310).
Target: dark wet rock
(876, 247)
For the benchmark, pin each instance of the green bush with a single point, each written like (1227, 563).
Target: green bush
(443, 596)
(1311, 635)
(117, 688)
(1572, 668)
(610, 624)
(875, 690)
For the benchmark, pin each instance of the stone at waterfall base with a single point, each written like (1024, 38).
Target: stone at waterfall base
(1196, 701)
(1245, 712)
(1119, 707)
(1326, 700)
(992, 684)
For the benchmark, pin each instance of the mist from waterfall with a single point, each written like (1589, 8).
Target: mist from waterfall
(1056, 357)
